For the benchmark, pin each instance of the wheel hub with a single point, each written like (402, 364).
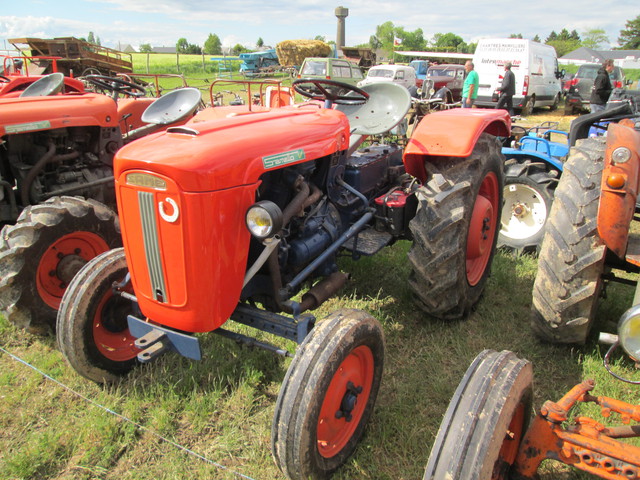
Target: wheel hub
(349, 402)
(520, 210)
(68, 266)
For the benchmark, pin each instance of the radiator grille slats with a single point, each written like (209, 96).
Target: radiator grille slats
(151, 244)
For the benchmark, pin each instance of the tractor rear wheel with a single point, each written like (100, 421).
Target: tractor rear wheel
(455, 230)
(41, 253)
(92, 330)
(486, 420)
(328, 395)
(528, 195)
(569, 277)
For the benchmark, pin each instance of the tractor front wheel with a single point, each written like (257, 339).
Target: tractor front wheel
(455, 230)
(572, 256)
(92, 330)
(528, 195)
(328, 395)
(485, 422)
(41, 253)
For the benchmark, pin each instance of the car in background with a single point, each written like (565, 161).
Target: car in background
(579, 94)
(448, 76)
(328, 68)
(421, 67)
(404, 75)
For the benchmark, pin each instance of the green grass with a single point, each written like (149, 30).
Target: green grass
(222, 407)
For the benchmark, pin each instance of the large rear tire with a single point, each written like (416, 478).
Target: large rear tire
(485, 422)
(92, 330)
(328, 395)
(569, 277)
(528, 196)
(455, 230)
(41, 253)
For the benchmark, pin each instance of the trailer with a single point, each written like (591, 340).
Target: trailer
(75, 57)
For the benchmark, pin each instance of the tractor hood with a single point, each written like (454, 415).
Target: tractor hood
(30, 114)
(209, 154)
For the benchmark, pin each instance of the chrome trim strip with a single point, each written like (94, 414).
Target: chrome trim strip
(151, 245)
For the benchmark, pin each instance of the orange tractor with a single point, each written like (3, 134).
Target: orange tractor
(486, 433)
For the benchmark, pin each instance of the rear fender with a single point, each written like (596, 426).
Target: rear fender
(617, 203)
(451, 133)
(519, 154)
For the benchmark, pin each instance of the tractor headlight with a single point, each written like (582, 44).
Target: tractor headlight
(621, 155)
(629, 332)
(264, 219)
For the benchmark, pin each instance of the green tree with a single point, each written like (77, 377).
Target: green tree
(552, 36)
(574, 35)
(145, 48)
(91, 38)
(98, 41)
(383, 38)
(629, 38)
(238, 49)
(564, 46)
(515, 35)
(594, 38)
(260, 42)
(213, 45)
(564, 34)
(536, 39)
(182, 45)
(448, 42)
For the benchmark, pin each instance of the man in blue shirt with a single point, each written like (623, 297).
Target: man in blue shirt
(470, 87)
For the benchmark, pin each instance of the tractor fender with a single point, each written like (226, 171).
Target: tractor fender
(517, 153)
(451, 133)
(619, 188)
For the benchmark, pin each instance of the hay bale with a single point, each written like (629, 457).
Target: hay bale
(291, 53)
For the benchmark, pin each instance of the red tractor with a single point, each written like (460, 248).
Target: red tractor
(232, 216)
(485, 433)
(57, 200)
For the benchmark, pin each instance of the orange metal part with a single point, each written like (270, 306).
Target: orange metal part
(451, 133)
(586, 445)
(617, 205)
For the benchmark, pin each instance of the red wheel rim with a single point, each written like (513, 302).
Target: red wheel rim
(482, 229)
(511, 444)
(356, 370)
(114, 342)
(62, 260)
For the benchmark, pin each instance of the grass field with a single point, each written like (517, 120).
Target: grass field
(63, 427)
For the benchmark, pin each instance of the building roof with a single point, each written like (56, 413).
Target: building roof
(598, 56)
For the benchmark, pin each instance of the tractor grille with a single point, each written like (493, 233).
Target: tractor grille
(151, 245)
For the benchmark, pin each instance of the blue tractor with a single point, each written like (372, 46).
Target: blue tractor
(534, 163)
(256, 63)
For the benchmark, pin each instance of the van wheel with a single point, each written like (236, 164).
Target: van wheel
(529, 106)
(556, 102)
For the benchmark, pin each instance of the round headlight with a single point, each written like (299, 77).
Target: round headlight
(629, 332)
(621, 155)
(264, 219)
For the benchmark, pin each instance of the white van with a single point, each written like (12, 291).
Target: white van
(404, 75)
(535, 66)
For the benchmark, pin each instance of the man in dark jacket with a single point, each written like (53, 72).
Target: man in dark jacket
(601, 87)
(507, 89)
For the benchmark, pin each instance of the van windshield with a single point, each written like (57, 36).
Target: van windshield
(314, 68)
(379, 72)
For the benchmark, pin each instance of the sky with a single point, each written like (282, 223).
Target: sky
(162, 22)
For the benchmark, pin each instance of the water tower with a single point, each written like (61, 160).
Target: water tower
(341, 13)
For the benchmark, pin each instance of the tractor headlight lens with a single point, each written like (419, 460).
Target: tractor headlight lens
(264, 219)
(629, 332)
(621, 155)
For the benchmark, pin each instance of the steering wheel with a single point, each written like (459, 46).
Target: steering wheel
(331, 91)
(116, 85)
(4, 79)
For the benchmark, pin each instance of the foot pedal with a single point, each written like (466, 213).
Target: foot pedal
(368, 242)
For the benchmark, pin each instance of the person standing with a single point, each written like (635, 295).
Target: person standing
(601, 87)
(507, 89)
(470, 87)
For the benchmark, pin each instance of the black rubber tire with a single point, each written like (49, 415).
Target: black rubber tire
(23, 245)
(572, 256)
(294, 435)
(493, 398)
(528, 107)
(556, 102)
(534, 187)
(441, 227)
(81, 304)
